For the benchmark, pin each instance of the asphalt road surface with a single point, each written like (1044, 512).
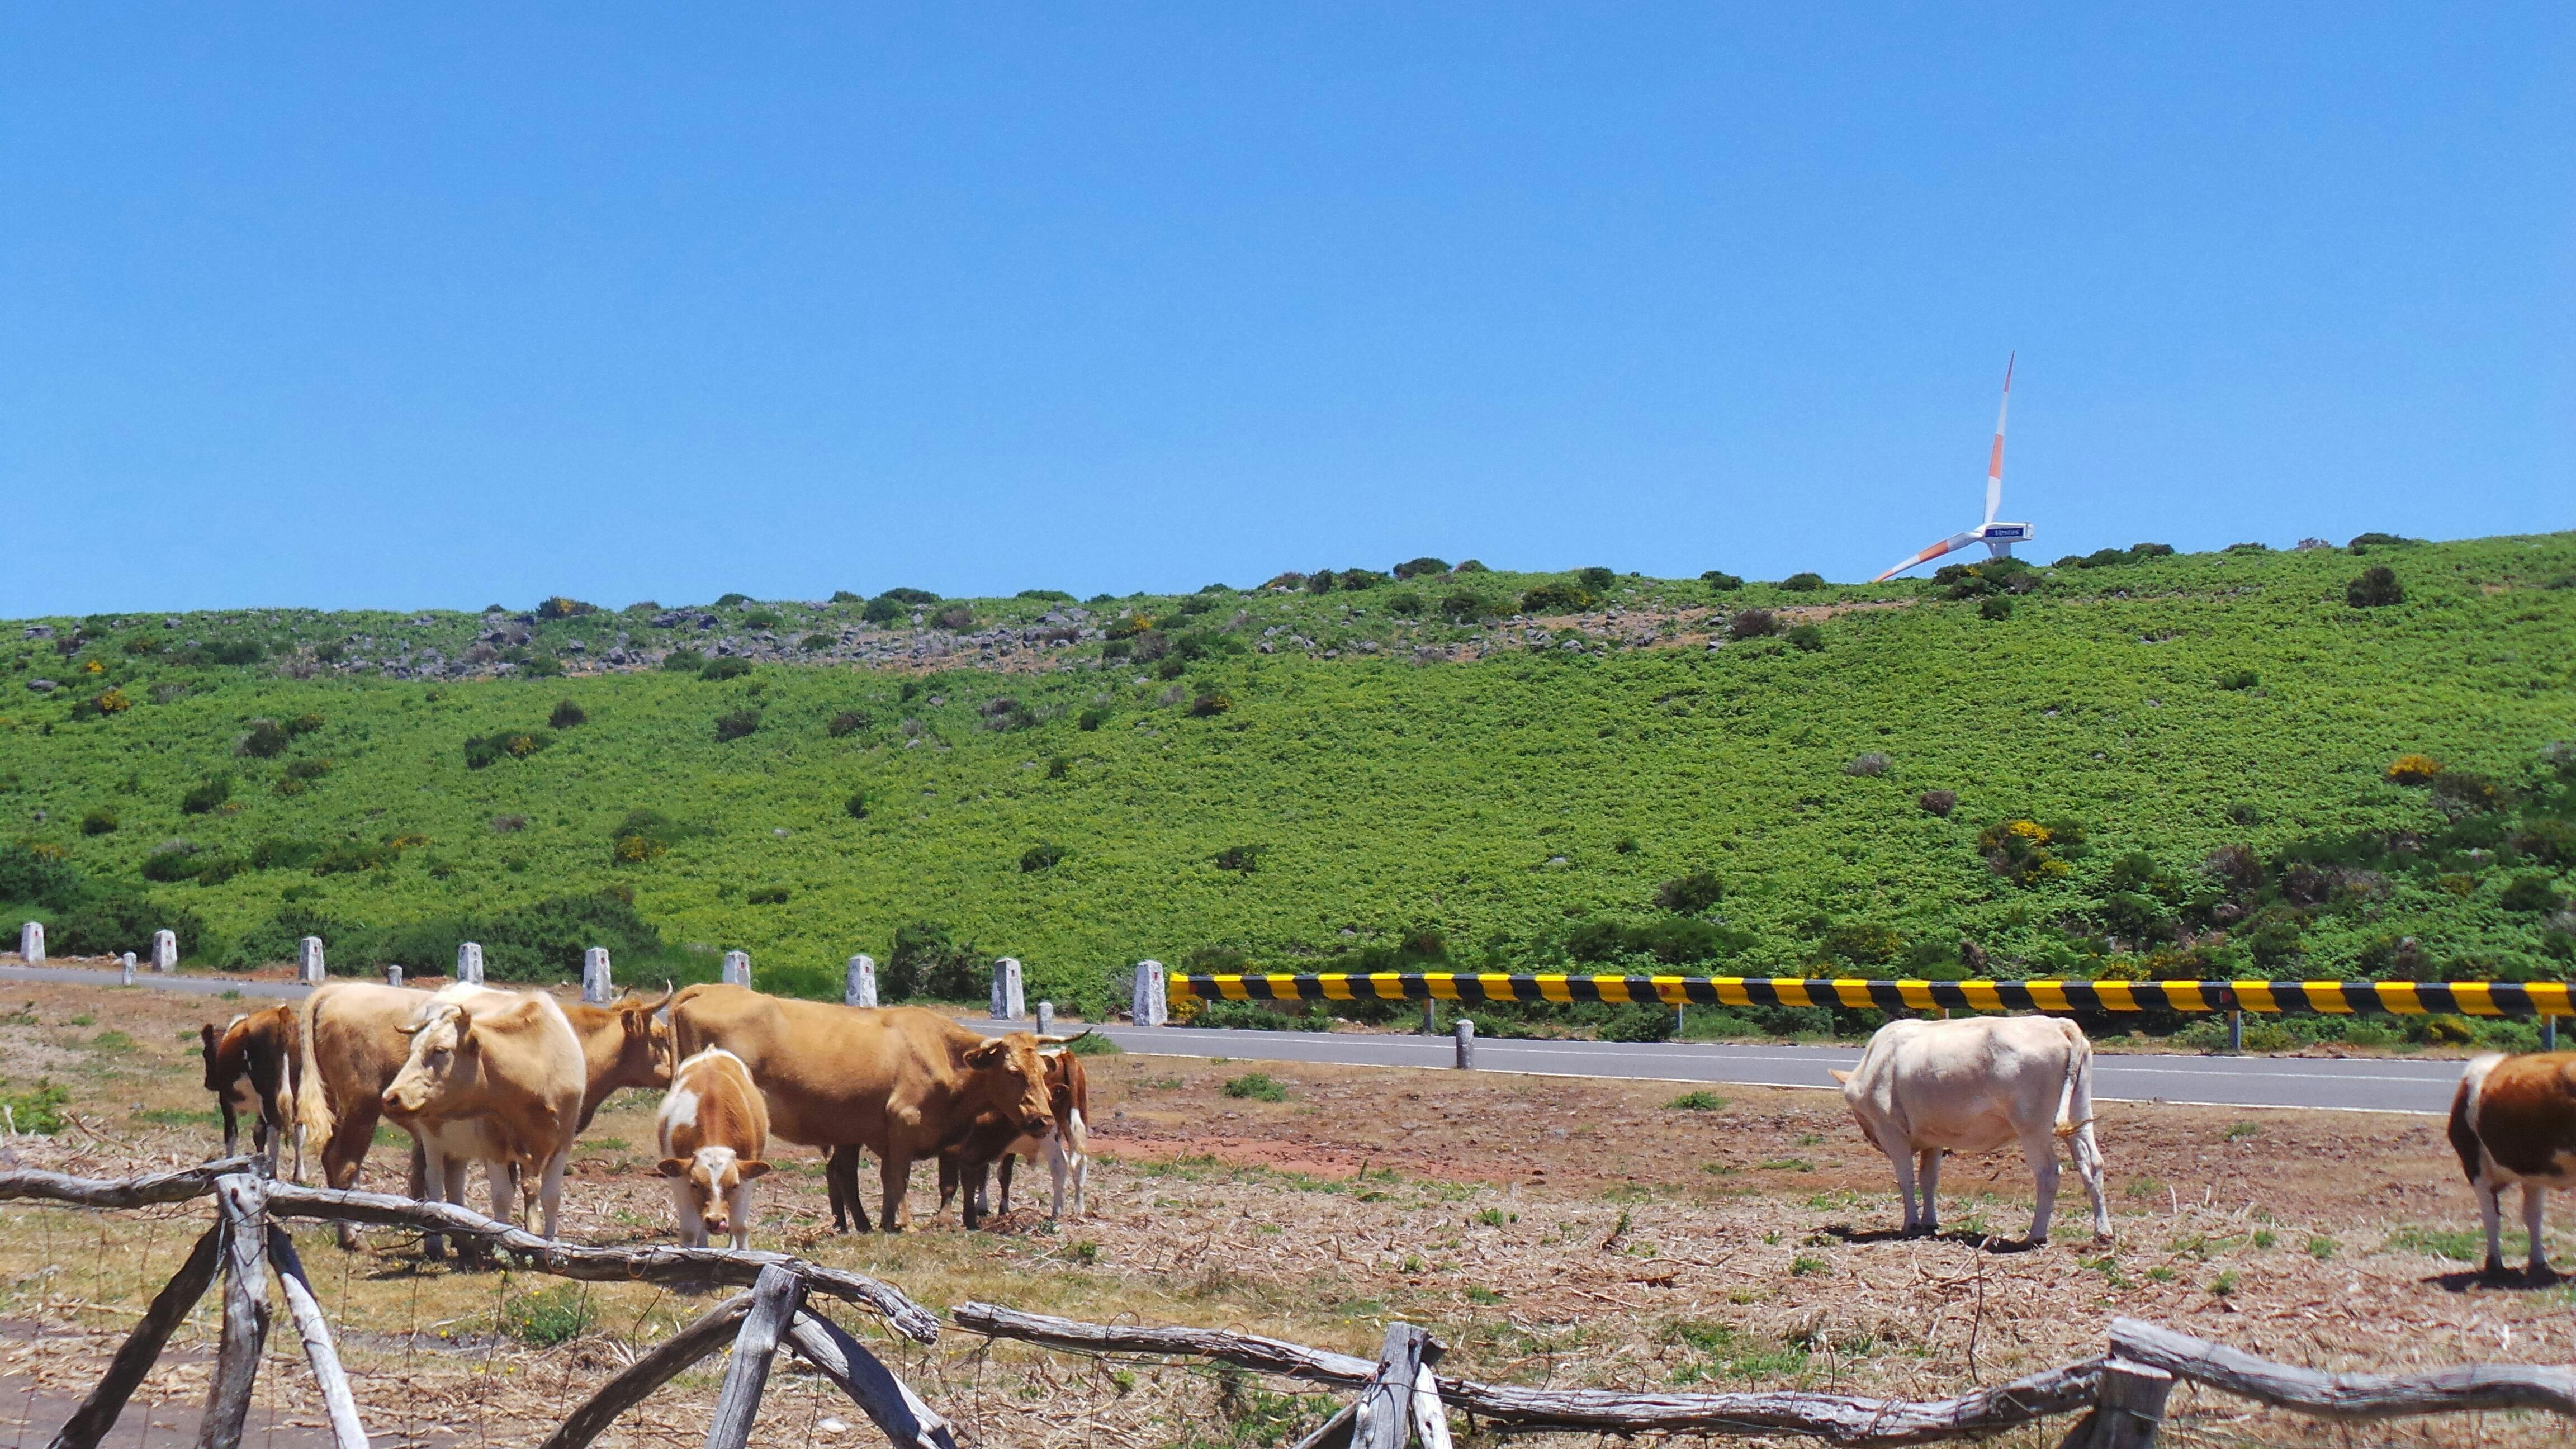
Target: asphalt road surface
(2377, 1084)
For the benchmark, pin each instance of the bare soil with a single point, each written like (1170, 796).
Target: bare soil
(1549, 1229)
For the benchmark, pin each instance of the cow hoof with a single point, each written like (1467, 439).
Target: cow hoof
(2539, 1271)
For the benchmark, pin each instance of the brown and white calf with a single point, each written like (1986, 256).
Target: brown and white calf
(252, 1067)
(2513, 1120)
(714, 1127)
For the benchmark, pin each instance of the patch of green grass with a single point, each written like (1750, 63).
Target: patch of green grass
(2224, 1284)
(1786, 1164)
(84, 1019)
(176, 1117)
(2239, 1131)
(112, 1041)
(2321, 1247)
(2142, 1188)
(2461, 1245)
(1093, 1044)
(1479, 1294)
(1256, 1086)
(39, 1109)
(550, 1316)
(1698, 1101)
(1806, 1265)
(1493, 1217)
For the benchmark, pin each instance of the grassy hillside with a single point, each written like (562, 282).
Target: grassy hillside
(1406, 768)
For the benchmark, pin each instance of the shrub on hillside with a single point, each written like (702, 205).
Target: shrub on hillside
(684, 661)
(266, 739)
(1470, 566)
(1752, 624)
(857, 805)
(207, 796)
(1595, 581)
(101, 821)
(1040, 857)
(1863, 943)
(1555, 598)
(736, 724)
(760, 619)
(1091, 719)
(766, 895)
(1420, 567)
(1803, 582)
(956, 617)
(2368, 541)
(1937, 802)
(1722, 581)
(1691, 894)
(1051, 596)
(2026, 852)
(885, 609)
(123, 921)
(1463, 607)
(844, 596)
(2413, 769)
(560, 607)
(848, 722)
(173, 860)
(1210, 704)
(1242, 859)
(1409, 604)
(567, 715)
(927, 963)
(40, 875)
(482, 750)
(1806, 638)
(817, 643)
(1995, 609)
(1353, 580)
(726, 667)
(1871, 764)
(1171, 669)
(2536, 894)
(2239, 679)
(2376, 588)
(730, 600)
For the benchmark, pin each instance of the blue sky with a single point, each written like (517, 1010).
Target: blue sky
(456, 305)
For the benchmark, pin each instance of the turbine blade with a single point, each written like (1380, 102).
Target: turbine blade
(1995, 461)
(1951, 544)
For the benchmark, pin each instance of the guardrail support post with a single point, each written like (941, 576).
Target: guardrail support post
(308, 961)
(595, 985)
(737, 968)
(393, 974)
(2548, 1033)
(1430, 1018)
(1007, 1002)
(31, 942)
(165, 950)
(1046, 1018)
(2235, 1031)
(128, 964)
(859, 982)
(2130, 1407)
(1464, 1031)
(1151, 1004)
(469, 963)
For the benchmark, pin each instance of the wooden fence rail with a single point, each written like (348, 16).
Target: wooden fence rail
(1400, 1400)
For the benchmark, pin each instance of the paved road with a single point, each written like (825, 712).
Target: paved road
(2354, 1085)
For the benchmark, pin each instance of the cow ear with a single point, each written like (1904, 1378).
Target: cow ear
(672, 1167)
(206, 1034)
(988, 1053)
(1839, 1075)
(746, 1171)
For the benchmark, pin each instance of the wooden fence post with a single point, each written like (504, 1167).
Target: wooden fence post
(306, 1308)
(2128, 1408)
(774, 1301)
(97, 1414)
(242, 1199)
(887, 1401)
(648, 1373)
(1385, 1418)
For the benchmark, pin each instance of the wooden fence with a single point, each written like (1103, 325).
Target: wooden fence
(1400, 1397)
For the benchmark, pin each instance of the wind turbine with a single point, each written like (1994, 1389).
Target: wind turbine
(1997, 537)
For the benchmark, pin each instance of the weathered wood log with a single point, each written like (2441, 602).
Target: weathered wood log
(1837, 1418)
(120, 1192)
(2128, 1408)
(1333, 1433)
(306, 1308)
(774, 1301)
(239, 1198)
(889, 1402)
(1385, 1410)
(1430, 1418)
(2345, 1396)
(676, 1353)
(660, 1264)
(142, 1348)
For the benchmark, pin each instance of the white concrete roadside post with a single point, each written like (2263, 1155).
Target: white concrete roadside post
(393, 974)
(31, 942)
(308, 961)
(737, 968)
(1149, 1006)
(859, 986)
(469, 963)
(595, 986)
(165, 951)
(1007, 1004)
(128, 963)
(1464, 1029)
(1046, 1018)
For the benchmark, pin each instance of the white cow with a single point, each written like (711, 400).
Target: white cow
(1925, 1088)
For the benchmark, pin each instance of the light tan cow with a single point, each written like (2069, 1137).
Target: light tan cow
(351, 1042)
(1926, 1088)
(714, 1129)
(253, 1067)
(902, 1082)
(494, 1076)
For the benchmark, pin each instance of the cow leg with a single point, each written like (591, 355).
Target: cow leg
(2088, 1168)
(232, 1124)
(1927, 1172)
(976, 1176)
(1059, 1163)
(550, 1188)
(738, 1211)
(894, 1174)
(949, 1177)
(841, 1178)
(1081, 1180)
(1009, 1164)
(1902, 1158)
(346, 1152)
(2042, 1152)
(2535, 1205)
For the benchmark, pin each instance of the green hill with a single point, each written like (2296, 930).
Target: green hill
(1381, 770)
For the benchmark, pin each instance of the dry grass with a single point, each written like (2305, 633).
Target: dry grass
(1551, 1230)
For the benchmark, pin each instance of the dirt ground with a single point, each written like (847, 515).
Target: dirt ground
(1549, 1230)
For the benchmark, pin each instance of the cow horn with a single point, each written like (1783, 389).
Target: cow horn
(653, 1007)
(1064, 1040)
(1838, 1074)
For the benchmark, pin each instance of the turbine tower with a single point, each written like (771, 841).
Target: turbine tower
(1997, 537)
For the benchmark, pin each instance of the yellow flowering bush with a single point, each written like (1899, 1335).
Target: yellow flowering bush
(2413, 769)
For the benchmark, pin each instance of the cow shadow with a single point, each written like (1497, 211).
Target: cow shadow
(2511, 1280)
(1957, 1237)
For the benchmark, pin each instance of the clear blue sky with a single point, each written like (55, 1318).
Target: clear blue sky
(444, 305)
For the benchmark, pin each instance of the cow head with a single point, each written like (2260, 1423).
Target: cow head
(444, 1055)
(709, 1179)
(644, 1051)
(1008, 1078)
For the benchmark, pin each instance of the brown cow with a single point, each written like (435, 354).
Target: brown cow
(2513, 1120)
(495, 1076)
(351, 1042)
(1066, 1143)
(253, 1068)
(715, 1132)
(902, 1082)
(624, 1044)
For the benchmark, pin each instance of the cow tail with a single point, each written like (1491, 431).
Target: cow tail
(2079, 1057)
(313, 1117)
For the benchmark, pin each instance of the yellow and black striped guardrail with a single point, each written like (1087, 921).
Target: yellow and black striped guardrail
(2403, 998)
